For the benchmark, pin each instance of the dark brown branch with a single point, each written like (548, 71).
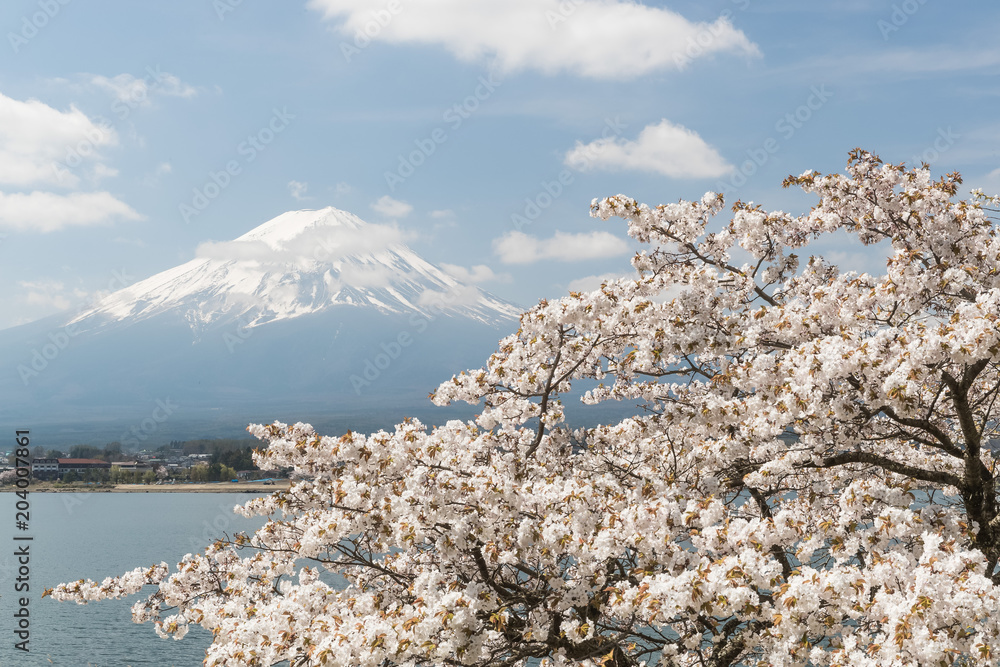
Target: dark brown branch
(727, 652)
(936, 476)
(545, 397)
(776, 551)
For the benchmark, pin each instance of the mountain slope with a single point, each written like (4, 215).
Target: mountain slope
(299, 263)
(311, 314)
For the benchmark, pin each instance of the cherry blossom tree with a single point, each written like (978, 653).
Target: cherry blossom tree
(808, 480)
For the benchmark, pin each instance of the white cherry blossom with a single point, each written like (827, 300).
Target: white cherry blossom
(807, 482)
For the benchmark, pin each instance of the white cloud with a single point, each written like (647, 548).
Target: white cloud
(342, 188)
(366, 276)
(989, 184)
(322, 243)
(171, 86)
(41, 145)
(392, 208)
(124, 88)
(298, 189)
(520, 248)
(103, 171)
(49, 294)
(443, 219)
(593, 38)
(153, 179)
(665, 148)
(136, 92)
(592, 283)
(47, 212)
(476, 274)
(464, 295)
(330, 244)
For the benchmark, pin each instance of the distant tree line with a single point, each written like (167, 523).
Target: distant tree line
(236, 453)
(227, 456)
(213, 472)
(211, 447)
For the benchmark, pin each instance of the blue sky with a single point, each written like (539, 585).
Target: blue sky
(133, 132)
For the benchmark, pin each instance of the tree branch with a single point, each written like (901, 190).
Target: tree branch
(936, 476)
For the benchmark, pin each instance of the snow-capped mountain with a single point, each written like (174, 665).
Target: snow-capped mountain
(312, 316)
(299, 263)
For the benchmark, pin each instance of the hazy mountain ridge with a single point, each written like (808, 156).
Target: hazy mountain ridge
(299, 263)
(312, 313)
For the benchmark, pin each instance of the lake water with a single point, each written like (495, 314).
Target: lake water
(92, 536)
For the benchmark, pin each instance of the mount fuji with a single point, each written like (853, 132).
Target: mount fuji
(314, 316)
(300, 263)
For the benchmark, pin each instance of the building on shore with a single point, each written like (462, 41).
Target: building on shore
(45, 468)
(132, 466)
(59, 468)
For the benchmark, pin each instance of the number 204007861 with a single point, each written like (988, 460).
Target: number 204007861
(22, 466)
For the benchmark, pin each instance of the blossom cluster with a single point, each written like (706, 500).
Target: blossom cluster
(806, 481)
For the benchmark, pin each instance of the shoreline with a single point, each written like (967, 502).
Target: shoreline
(209, 487)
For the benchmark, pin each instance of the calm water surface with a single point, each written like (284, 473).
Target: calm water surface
(92, 536)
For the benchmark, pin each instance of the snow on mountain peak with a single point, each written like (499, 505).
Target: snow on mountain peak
(286, 227)
(298, 263)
